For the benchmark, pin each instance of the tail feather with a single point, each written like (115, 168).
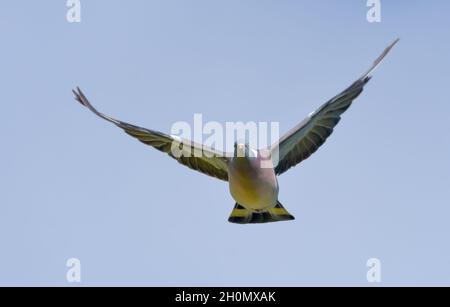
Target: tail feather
(241, 215)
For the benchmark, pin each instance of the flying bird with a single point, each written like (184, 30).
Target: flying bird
(254, 188)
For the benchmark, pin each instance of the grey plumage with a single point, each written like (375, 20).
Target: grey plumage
(305, 138)
(209, 162)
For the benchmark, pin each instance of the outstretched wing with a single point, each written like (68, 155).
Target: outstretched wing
(305, 138)
(193, 155)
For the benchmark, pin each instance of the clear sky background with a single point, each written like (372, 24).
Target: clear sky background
(72, 185)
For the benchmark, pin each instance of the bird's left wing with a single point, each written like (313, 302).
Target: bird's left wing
(193, 155)
(305, 138)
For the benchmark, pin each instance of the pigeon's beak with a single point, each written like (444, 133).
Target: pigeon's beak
(240, 150)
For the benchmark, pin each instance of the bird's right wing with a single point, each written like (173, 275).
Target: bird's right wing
(305, 138)
(188, 153)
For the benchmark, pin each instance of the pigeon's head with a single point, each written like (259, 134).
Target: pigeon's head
(242, 150)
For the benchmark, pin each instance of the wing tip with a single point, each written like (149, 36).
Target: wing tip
(381, 57)
(79, 96)
(389, 48)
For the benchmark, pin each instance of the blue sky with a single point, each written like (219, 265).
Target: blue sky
(75, 186)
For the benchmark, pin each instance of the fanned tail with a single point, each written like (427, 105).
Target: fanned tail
(241, 215)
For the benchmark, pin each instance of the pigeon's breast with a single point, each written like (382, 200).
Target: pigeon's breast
(251, 185)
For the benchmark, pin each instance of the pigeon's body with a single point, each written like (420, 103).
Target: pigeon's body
(252, 186)
(252, 177)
